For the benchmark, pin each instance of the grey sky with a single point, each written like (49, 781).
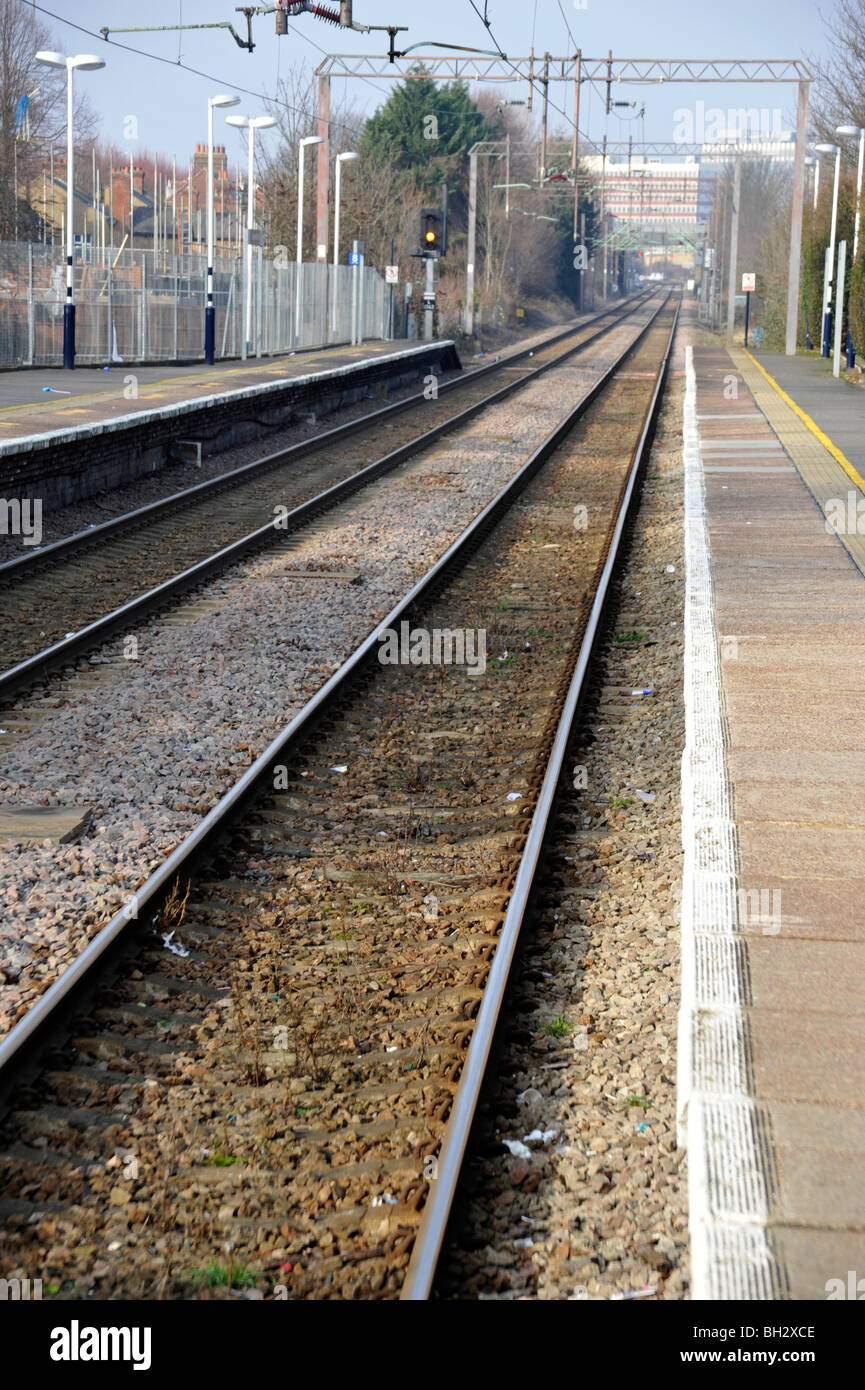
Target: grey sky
(170, 104)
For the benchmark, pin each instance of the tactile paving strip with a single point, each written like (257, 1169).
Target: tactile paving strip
(825, 478)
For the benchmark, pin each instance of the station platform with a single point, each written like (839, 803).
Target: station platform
(119, 424)
(834, 404)
(35, 400)
(772, 1022)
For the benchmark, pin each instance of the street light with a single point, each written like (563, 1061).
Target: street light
(87, 63)
(854, 130)
(301, 163)
(347, 158)
(252, 124)
(210, 312)
(826, 148)
(816, 163)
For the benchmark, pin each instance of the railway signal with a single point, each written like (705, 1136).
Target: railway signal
(432, 238)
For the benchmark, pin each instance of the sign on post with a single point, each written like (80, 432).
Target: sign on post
(749, 283)
(354, 258)
(391, 274)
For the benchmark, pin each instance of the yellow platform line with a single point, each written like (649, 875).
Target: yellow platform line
(812, 425)
(274, 365)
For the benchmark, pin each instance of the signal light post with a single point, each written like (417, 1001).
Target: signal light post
(433, 243)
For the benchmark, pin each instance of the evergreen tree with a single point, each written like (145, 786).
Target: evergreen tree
(425, 128)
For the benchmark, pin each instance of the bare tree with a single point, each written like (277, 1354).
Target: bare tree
(839, 97)
(295, 110)
(32, 114)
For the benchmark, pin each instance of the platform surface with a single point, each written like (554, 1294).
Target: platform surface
(837, 406)
(788, 598)
(27, 408)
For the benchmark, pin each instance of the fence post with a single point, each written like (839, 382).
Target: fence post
(31, 308)
(144, 334)
(260, 302)
(228, 302)
(362, 294)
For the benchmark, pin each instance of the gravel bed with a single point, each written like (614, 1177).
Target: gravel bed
(65, 521)
(576, 1188)
(153, 745)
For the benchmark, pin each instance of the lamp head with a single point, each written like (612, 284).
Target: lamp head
(312, 140)
(241, 122)
(51, 59)
(85, 62)
(224, 100)
(825, 148)
(348, 157)
(848, 130)
(260, 122)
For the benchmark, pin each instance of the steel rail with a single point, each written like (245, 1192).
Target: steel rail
(427, 1245)
(61, 653)
(178, 501)
(20, 1049)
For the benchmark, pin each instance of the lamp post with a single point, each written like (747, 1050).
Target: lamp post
(86, 62)
(854, 130)
(301, 165)
(348, 157)
(252, 124)
(210, 312)
(828, 276)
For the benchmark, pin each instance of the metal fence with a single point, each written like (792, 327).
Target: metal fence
(144, 306)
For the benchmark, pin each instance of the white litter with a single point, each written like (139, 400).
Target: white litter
(517, 1148)
(176, 947)
(514, 796)
(541, 1136)
(671, 569)
(646, 691)
(644, 796)
(524, 1243)
(385, 1200)
(339, 767)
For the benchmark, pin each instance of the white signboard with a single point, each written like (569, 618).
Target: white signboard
(391, 274)
(749, 282)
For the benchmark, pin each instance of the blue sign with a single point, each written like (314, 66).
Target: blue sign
(354, 258)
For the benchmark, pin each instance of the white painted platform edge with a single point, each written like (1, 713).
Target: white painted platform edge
(726, 1134)
(52, 439)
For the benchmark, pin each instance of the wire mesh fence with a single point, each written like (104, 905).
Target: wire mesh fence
(146, 306)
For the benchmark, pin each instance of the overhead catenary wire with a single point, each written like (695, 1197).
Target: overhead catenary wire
(505, 59)
(567, 25)
(199, 72)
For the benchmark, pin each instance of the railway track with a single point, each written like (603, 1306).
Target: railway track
(283, 1102)
(72, 595)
